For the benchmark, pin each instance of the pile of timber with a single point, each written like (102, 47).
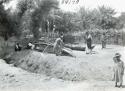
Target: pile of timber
(67, 50)
(70, 46)
(48, 47)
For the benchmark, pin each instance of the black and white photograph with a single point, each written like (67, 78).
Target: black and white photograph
(62, 45)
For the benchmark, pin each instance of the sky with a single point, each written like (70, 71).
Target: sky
(118, 5)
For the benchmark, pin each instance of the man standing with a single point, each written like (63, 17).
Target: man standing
(118, 70)
(103, 39)
(58, 45)
(89, 43)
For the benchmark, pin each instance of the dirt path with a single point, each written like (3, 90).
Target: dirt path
(16, 79)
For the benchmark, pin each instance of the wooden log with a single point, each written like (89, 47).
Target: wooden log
(79, 48)
(67, 52)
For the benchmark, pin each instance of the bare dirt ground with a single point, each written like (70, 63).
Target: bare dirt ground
(92, 72)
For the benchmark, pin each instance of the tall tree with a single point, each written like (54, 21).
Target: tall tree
(5, 22)
(107, 20)
(40, 13)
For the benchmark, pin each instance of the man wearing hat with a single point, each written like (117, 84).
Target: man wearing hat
(118, 70)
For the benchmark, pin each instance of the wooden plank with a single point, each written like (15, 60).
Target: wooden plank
(67, 52)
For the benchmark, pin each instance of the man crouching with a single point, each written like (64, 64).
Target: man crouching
(58, 45)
